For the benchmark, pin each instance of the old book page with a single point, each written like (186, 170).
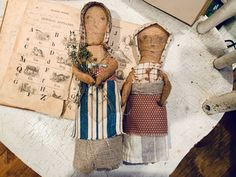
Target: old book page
(3, 4)
(38, 76)
(9, 29)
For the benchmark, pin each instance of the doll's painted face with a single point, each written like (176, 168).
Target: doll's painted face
(152, 41)
(95, 25)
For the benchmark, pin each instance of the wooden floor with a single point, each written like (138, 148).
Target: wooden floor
(11, 166)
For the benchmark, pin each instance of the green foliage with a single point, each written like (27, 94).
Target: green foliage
(80, 58)
(84, 54)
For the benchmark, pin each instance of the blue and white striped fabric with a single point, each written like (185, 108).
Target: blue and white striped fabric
(99, 114)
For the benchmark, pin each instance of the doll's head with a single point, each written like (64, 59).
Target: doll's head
(95, 23)
(151, 42)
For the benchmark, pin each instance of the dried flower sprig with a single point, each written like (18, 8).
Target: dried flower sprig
(80, 57)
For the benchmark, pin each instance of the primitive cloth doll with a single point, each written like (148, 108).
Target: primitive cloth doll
(99, 120)
(146, 90)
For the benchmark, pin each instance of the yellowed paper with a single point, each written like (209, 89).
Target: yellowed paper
(38, 75)
(36, 72)
(9, 30)
(3, 6)
(123, 47)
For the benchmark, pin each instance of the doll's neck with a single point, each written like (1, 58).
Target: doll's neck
(98, 52)
(150, 58)
(99, 47)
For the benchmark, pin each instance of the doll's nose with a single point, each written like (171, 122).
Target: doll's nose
(95, 23)
(153, 42)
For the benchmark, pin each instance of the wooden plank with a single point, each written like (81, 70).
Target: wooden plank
(11, 166)
(6, 159)
(29, 173)
(14, 169)
(2, 149)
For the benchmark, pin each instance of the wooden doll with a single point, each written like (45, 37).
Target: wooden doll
(99, 120)
(146, 89)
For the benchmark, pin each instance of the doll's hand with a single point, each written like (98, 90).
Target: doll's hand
(166, 89)
(90, 80)
(98, 81)
(123, 108)
(81, 76)
(161, 103)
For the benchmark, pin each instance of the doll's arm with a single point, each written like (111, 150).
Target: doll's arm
(166, 89)
(126, 89)
(112, 66)
(86, 78)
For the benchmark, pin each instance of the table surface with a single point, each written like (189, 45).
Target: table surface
(45, 143)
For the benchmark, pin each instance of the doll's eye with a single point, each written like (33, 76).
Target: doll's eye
(103, 18)
(145, 37)
(159, 39)
(87, 17)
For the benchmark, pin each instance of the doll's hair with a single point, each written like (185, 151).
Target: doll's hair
(82, 24)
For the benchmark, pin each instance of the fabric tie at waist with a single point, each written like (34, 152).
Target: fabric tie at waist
(147, 88)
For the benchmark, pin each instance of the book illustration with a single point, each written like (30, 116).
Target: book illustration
(123, 50)
(120, 74)
(55, 95)
(40, 58)
(59, 77)
(32, 71)
(64, 41)
(26, 87)
(37, 52)
(43, 36)
(64, 61)
(120, 46)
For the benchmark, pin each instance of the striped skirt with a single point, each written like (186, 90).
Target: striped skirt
(99, 114)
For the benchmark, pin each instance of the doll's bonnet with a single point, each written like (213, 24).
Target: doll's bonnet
(141, 28)
(82, 23)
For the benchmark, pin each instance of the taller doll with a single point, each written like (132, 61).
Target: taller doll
(146, 90)
(99, 120)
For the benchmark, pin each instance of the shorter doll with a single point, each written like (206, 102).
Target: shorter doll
(146, 89)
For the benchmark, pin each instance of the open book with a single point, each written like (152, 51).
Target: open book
(35, 71)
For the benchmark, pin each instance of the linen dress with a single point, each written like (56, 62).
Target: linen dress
(145, 122)
(98, 126)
